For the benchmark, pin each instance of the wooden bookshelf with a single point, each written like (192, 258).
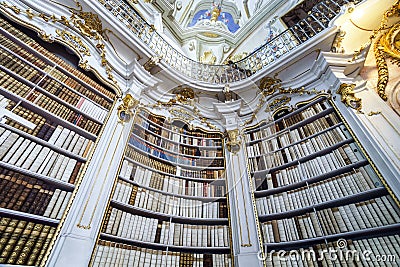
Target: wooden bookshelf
(53, 115)
(163, 205)
(315, 186)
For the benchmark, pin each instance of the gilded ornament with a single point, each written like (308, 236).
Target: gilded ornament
(84, 65)
(233, 140)
(87, 23)
(152, 62)
(29, 13)
(208, 58)
(383, 71)
(46, 37)
(277, 103)
(125, 109)
(372, 113)
(74, 41)
(184, 95)
(346, 91)
(13, 8)
(269, 85)
(387, 44)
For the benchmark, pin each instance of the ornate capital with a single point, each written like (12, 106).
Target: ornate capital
(125, 109)
(234, 141)
(346, 91)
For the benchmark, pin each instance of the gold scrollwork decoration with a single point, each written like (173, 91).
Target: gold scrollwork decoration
(84, 64)
(185, 96)
(13, 8)
(125, 109)
(74, 41)
(383, 71)
(269, 85)
(373, 113)
(387, 44)
(278, 102)
(46, 37)
(346, 91)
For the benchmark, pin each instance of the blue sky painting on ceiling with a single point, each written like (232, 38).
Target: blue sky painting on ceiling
(224, 17)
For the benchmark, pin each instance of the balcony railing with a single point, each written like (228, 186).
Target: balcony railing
(317, 20)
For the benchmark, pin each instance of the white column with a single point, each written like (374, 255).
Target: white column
(245, 238)
(79, 232)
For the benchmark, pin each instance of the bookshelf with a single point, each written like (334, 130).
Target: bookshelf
(314, 186)
(169, 204)
(52, 115)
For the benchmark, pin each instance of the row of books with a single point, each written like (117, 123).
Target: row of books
(150, 162)
(176, 147)
(333, 188)
(52, 106)
(295, 149)
(26, 154)
(175, 134)
(363, 215)
(377, 251)
(172, 205)
(367, 214)
(32, 201)
(73, 83)
(47, 130)
(334, 160)
(76, 79)
(170, 169)
(172, 157)
(134, 227)
(307, 170)
(23, 242)
(148, 178)
(64, 112)
(116, 254)
(30, 195)
(304, 131)
(304, 114)
(20, 68)
(61, 137)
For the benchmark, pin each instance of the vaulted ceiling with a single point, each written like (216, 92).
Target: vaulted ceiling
(197, 25)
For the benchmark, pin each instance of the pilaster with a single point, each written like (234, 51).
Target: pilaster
(79, 232)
